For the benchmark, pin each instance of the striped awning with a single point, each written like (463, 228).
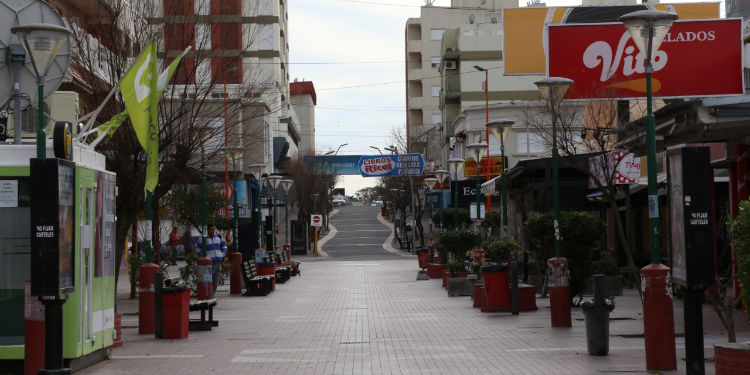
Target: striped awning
(488, 188)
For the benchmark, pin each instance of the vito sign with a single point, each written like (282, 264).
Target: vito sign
(391, 165)
(697, 58)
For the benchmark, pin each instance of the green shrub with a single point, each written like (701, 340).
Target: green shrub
(448, 215)
(580, 235)
(740, 230)
(500, 249)
(455, 267)
(456, 243)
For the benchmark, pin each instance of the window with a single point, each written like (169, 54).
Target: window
(529, 143)
(436, 90)
(202, 36)
(265, 37)
(437, 118)
(202, 7)
(436, 34)
(435, 62)
(203, 73)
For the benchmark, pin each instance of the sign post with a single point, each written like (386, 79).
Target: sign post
(316, 221)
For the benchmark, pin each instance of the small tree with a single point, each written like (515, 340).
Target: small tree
(500, 249)
(184, 203)
(582, 235)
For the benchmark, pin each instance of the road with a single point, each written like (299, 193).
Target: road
(358, 235)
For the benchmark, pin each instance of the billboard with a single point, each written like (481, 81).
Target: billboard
(334, 164)
(603, 61)
(524, 33)
(391, 165)
(622, 167)
(495, 163)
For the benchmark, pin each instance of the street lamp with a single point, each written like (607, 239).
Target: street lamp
(500, 129)
(41, 42)
(486, 120)
(377, 148)
(257, 171)
(274, 180)
(441, 175)
(226, 145)
(553, 90)
(430, 181)
(455, 164)
(477, 149)
(648, 28)
(286, 185)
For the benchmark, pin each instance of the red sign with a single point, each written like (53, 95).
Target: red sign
(697, 58)
(316, 220)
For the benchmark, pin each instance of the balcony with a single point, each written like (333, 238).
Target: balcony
(414, 46)
(452, 87)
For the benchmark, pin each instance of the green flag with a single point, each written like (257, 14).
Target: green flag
(141, 92)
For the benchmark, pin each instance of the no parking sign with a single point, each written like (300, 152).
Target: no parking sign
(316, 220)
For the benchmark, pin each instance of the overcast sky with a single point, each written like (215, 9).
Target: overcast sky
(353, 52)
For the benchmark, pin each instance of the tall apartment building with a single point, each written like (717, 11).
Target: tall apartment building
(243, 45)
(304, 101)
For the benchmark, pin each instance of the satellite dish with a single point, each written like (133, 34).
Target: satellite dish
(23, 12)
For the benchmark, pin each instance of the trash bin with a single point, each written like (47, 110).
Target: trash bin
(175, 312)
(597, 319)
(496, 288)
(268, 268)
(423, 256)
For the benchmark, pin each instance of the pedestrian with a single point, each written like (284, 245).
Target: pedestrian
(174, 240)
(216, 249)
(188, 243)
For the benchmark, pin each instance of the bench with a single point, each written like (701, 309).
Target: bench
(255, 285)
(202, 305)
(281, 260)
(283, 272)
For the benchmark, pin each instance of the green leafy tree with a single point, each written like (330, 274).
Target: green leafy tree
(184, 202)
(500, 249)
(581, 234)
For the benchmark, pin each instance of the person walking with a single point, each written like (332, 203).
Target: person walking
(174, 240)
(188, 243)
(216, 248)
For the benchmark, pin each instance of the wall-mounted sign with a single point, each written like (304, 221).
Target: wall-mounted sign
(619, 166)
(391, 165)
(603, 61)
(495, 164)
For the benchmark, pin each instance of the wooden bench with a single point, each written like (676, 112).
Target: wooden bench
(255, 285)
(283, 272)
(293, 266)
(202, 305)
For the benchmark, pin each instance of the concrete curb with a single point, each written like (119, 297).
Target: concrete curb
(388, 241)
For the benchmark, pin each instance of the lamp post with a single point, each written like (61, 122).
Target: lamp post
(394, 150)
(499, 129)
(42, 42)
(274, 180)
(377, 148)
(486, 131)
(648, 28)
(430, 181)
(477, 149)
(553, 90)
(226, 144)
(257, 171)
(455, 164)
(286, 185)
(441, 175)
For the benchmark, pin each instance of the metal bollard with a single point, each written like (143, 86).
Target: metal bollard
(597, 319)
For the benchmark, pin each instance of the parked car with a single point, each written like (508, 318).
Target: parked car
(378, 202)
(338, 200)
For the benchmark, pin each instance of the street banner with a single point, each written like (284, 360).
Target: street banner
(524, 36)
(333, 164)
(391, 165)
(622, 167)
(603, 61)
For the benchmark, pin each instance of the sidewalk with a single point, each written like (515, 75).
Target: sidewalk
(374, 318)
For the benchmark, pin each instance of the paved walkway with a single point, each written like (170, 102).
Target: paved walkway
(371, 316)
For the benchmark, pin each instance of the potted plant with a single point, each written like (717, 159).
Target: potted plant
(456, 281)
(612, 279)
(456, 244)
(500, 250)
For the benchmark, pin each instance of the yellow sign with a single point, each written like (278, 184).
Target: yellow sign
(495, 163)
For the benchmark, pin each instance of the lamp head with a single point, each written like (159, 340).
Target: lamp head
(286, 185)
(256, 169)
(499, 129)
(441, 174)
(479, 68)
(274, 180)
(430, 181)
(553, 90)
(643, 25)
(42, 42)
(477, 149)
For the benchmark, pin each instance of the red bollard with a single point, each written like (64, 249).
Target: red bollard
(559, 292)
(235, 286)
(34, 334)
(205, 279)
(117, 342)
(146, 310)
(658, 318)
(497, 291)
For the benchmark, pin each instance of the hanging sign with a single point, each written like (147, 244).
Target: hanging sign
(391, 165)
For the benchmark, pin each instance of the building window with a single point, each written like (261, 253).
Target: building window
(202, 36)
(436, 34)
(202, 7)
(203, 72)
(435, 62)
(529, 143)
(436, 90)
(437, 119)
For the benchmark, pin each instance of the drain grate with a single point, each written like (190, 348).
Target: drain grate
(353, 342)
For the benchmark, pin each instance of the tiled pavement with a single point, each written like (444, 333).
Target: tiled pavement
(373, 317)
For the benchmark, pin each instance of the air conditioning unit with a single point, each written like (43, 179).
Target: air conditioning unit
(450, 65)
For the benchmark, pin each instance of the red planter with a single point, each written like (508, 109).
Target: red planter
(435, 270)
(477, 295)
(732, 358)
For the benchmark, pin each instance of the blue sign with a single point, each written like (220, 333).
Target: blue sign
(330, 164)
(391, 165)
